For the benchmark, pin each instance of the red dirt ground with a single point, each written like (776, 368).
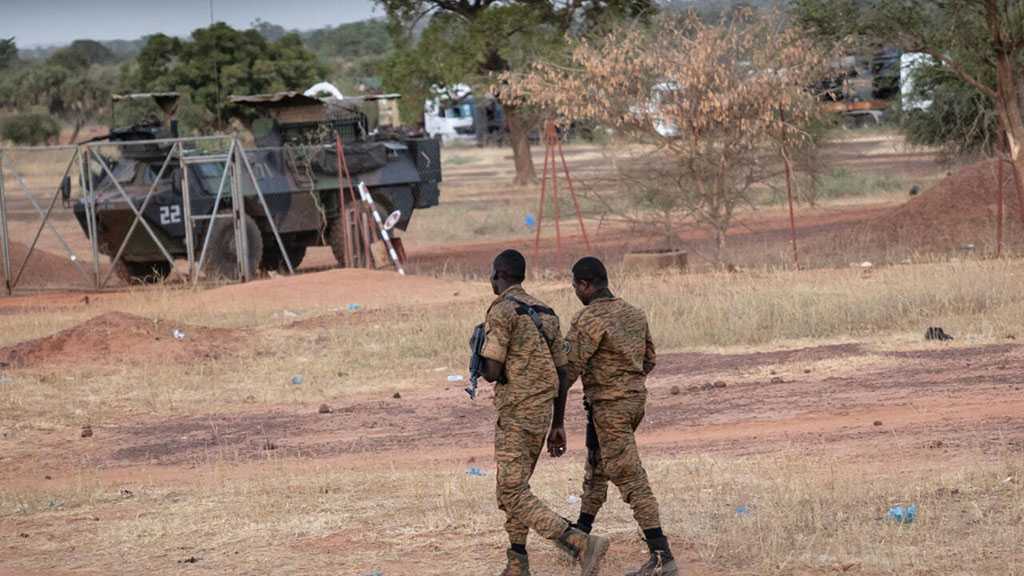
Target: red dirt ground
(961, 209)
(945, 397)
(937, 407)
(45, 269)
(128, 338)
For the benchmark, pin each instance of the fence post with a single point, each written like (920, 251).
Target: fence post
(85, 183)
(4, 245)
(238, 207)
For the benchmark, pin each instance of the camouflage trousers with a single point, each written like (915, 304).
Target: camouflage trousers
(518, 442)
(612, 455)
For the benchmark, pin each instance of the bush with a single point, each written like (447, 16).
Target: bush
(30, 129)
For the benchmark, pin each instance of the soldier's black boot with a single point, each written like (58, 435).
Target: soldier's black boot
(660, 563)
(587, 549)
(518, 564)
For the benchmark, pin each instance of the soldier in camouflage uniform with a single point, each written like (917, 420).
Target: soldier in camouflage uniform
(609, 345)
(524, 354)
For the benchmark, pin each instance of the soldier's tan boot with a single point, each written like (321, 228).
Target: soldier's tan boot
(661, 562)
(518, 565)
(587, 549)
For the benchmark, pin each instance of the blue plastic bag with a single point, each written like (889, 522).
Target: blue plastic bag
(903, 515)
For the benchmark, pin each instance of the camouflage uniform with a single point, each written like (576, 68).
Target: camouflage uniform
(524, 404)
(609, 345)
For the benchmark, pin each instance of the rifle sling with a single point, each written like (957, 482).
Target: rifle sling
(534, 311)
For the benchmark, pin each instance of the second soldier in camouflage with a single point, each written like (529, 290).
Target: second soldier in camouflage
(609, 345)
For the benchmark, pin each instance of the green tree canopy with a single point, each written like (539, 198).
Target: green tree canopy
(220, 61)
(81, 54)
(8, 52)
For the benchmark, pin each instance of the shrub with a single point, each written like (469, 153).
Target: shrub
(30, 129)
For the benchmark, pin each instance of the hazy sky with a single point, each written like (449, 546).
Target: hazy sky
(42, 22)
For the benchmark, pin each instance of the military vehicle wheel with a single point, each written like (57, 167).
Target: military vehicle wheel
(143, 272)
(336, 239)
(272, 261)
(222, 258)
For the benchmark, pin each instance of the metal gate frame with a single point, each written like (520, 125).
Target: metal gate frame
(12, 275)
(236, 164)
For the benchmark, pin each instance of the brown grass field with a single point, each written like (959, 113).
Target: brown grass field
(808, 398)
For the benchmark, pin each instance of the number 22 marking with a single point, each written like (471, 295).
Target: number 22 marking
(170, 214)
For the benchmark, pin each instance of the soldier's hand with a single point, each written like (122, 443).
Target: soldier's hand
(556, 441)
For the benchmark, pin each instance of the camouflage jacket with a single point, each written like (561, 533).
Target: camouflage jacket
(529, 358)
(609, 345)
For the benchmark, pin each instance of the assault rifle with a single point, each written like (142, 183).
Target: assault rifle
(476, 361)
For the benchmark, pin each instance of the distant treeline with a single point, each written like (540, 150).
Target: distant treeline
(72, 84)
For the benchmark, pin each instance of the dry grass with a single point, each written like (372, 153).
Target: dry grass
(809, 513)
(349, 354)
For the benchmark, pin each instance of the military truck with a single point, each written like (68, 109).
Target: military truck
(296, 167)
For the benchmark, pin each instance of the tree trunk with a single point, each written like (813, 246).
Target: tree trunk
(74, 133)
(1008, 106)
(719, 244)
(1008, 101)
(519, 126)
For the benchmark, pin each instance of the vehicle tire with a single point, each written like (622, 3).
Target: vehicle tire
(272, 261)
(336, 238)
(143, 272)
(222, 257)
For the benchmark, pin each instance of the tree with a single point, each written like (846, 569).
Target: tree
(30, 129)
(220, 61)
(82, 54)
(981, 42)
(270, 32)
(474, 41)
(960, 120)
(8, 53)
(716, 101)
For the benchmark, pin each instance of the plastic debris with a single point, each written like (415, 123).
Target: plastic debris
(178, 334)
(289, 314)
(743, 510)
(937, 333)
(297, 379)
(530, 221)
(573, 499)
(903, 515)
(455, 378)
(474, 471)
(353, 307)
(74, 258)
(866, 264)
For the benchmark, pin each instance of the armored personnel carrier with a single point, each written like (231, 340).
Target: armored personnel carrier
(293, 161)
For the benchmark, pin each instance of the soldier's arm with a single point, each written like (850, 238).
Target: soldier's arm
(649, 355)
(556, 437)
(498, 329)
(581, 344)
(557, 346)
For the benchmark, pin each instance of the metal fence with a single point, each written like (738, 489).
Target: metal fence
(51, 237)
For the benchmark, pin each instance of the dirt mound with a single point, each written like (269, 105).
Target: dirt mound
(959, 210)
(46, 269)
(123, 336)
